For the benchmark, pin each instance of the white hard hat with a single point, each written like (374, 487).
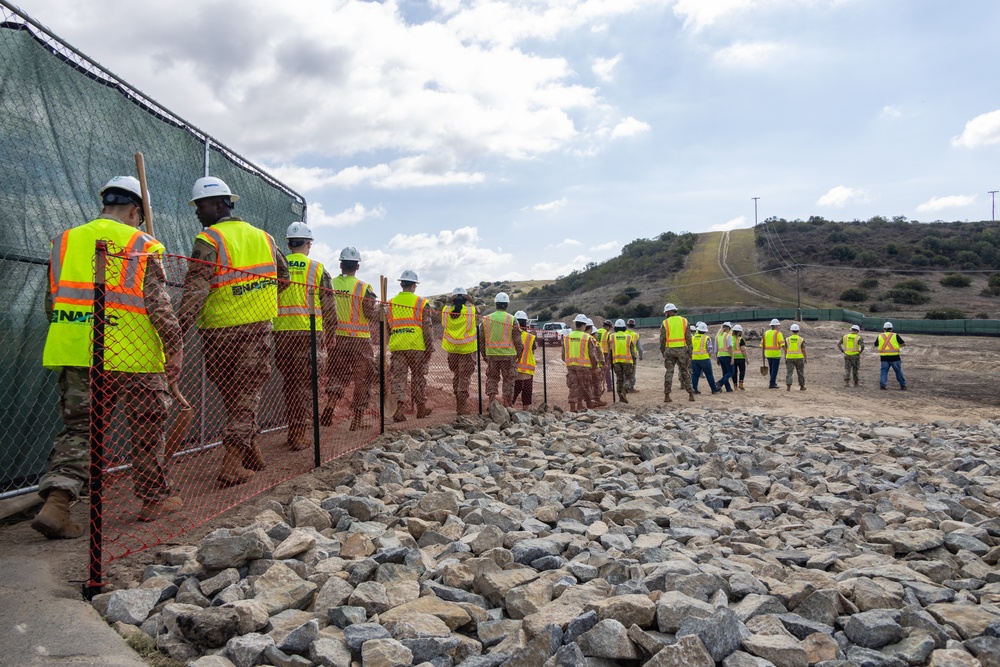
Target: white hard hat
(619, 323)
(693, 328)
(887, 325)
(210, 186)
(501, 297)
(580, 319)
(590, 322)
(794, 327)
(738, 328)
(459, 291)
(669, 306)
(520, 315)
(775, 322)
(855, 327)
(728, 324)
(298, 230)
(350, 254)
(409, 275)
(702, 327)
(126, 183)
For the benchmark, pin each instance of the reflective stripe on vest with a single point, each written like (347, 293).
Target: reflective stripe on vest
(794, 349)
(459, 329)
(888, 345)
(526, 364)
(622, 343)
(131, 344)
(850, 342)
(772, 343)
(601, 336)
(293, 304)
(406, 317)
(576, 349)
(498, 330)
(699, 347)
(737, 346)
(723, 344)
(351, 319)
(244, 288)
(676, 327)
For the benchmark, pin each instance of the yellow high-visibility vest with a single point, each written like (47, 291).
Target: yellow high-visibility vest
(676, 327)
(722, 341)
(498, 333)
(699, 347)
(772, 343)
(576, 349)
(794, 350)
(244, 288)
(888, 344)
(131, 344)
(736, 348)
(351, 319)
(294, 305)
(406, 317)
(622, 344)
(601, 336)
(526, 364)
(850, 343)
(459, 330)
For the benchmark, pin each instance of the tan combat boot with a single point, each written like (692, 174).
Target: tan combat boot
(461, 406)
(357, 421)
(326, 419)
(232, 471)
(691, 396)
(621, 397)
(666, 398)
(400, 414)
(253, 458)
(741, 386)
(153, 509)
(572, 406)
(847, 382)
(53, 520)
(423, 410)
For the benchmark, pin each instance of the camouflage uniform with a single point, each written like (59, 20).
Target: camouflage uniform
(352, 359)
(463, 366)
(501, 371)
(580, 380)
(676, 356)
(143, 397)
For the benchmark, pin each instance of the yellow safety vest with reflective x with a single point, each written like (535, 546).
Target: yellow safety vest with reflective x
(737, 354)
(723, 341)
(459, 329)
(699, 347)
(294, 305)
(622, 343)
(676, 328)
(850, 343)
(131, 344)
(772, 343)
(526, 364)
(406, 317)
(888, 345)
(244, 288)
(351, 319)
(794, 349)
(498, 332)
(576, 349)
(601, 336)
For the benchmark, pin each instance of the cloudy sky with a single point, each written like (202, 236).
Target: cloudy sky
(479, 139)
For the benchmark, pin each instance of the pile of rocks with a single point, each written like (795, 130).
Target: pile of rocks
(686, 539)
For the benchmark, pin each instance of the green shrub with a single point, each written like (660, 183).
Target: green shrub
(571, 309)
(842, 252)
(869, 282)
(544, 315)
(631, 292)
(854, 294)
(914, 284)
(990, 291)
(876, 307)
(945, 314)
(994, 280)
(621, 299)
(956, 280)
(908, 297)
(642, 310)
(982, 316)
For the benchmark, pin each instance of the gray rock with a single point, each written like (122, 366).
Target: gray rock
(569, 655)
(357, 635)
(912, 650)
(131, 606)
(781, 650)
(222, 552)
(866, 657)
(874, 629)
(278, 658)
(341, 617)
(210, 628)
(722, 632)
(330, 653)
(608, 639)
(245, 650)
(689, 651)
(385, 653)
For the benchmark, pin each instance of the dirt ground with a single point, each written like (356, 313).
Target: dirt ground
(949, 378)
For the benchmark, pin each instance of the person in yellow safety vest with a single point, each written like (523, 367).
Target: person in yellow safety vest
(143, 353)
(411, 344)
(579, 353)
(771, 346)
(501, 349)
(231, 292)
(630, 324)
(795, 358)
(739, 356)
(623, 357)
(460, 343)
(525, 381)
(597, 373)
(724, 354)
(602, 334)
(309, 293)
(701, 358)
(350, 350)
(675, 347)
(852, 345)
(889, 344)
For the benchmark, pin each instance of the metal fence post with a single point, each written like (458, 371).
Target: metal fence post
(545, 379)
(479, 376)
(313, 340)
(97, 420)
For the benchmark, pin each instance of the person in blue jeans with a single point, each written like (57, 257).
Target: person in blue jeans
(724, 354)
(701, 358)
(888, 345)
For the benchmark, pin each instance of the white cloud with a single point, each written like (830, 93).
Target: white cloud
(840, 196)
(629, 128)
(891, 111)
(601, 247)
(698, 14)
(751, 54)
(551, 270)
(566, 243)
(318, 218)
(408, 172)
(739, 222)
(603, 68)
(983, 130)
(950, 201)
(554, 205)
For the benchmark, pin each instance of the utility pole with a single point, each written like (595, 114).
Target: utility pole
(798, 294)
(993, 194)
(755, 210)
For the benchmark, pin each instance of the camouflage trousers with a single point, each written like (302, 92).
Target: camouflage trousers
(351, 360)
(580, 382)
(462, 366)
(415, 363)
(523, 388)
(793, 366)
(238, 363)
(852, 366)
(293, 359)
(500, 374)
(143, 398)
(680, 357)
(624, 377)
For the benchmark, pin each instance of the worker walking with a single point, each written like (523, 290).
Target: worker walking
(501, 349)
(724, 354)
(309, 293)
(597, 372)
(352, 359)
(141, 351)
(524, 384)
(701, 358)
(795, 358)
(630, 328)
(602, 336)
(231, 290)
(771, 347)
(739, 357)
(460, 342)
(675, 346)
(579, 353)
(623, 357)
(411, 344)
(852, 345)
(889, 345)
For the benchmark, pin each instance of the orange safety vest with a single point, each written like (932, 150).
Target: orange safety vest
(459, 332)
(601, 336)
(351, 319)
(526, 364)
(576, 349)
(720, 344)
(888, 345)
(294, 306)
(676, 328)
(699, 347)
(406, 318)
(244, 288)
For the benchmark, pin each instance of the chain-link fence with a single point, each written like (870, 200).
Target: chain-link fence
(66, 127)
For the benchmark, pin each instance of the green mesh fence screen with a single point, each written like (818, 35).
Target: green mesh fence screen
(66, 127)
